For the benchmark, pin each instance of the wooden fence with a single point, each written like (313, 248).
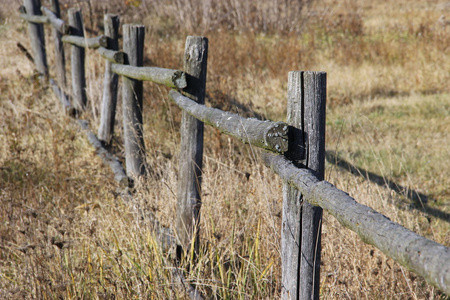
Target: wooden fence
(295, 150)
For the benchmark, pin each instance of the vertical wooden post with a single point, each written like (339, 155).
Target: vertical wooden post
(292, 199)
(191, 153)
(37, 37)
(59, 49)
(301, 238)
(315, 87)
(132, 95)
(77, 61)
(109, 101)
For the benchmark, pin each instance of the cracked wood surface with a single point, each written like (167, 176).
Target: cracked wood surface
(422, 256)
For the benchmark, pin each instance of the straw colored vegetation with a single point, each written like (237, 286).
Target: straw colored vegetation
(65, 232)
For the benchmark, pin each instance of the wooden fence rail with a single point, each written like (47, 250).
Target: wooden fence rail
(272, 136)
(418, 254)
(300, 141)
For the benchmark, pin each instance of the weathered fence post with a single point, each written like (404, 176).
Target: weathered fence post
(132, 96)
(190, 169)
(77, 61)
(37, 37)
(109, 101)
(315, 94)
(301, 227)
(59, 48)
(290, 229)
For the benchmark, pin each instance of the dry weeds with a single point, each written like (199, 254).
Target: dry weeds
(66, 233)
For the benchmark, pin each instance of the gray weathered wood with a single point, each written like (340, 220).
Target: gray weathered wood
(418, 254)
(54, 18)
(34, 19)
(314, 90)
(117, 57)
(133, 47)
(59, 47)
(272, 136)
(68, 108)
(191, 152)
(36, 32)
(163, 234)
(81, 41)
(167, 77)
(110, 81)
(292, 198)
(77, 61)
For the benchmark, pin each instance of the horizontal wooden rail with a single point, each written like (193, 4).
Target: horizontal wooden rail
(34, 18)
(420, 255)
(167, 77)
(117, 57)
(272, 136)
(56, 22)
(81, 41)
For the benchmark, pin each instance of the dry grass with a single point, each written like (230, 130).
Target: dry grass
(66, 233)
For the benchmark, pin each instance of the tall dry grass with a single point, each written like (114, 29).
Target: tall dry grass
(66, 233)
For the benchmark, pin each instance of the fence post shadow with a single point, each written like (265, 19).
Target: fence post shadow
(419, 201)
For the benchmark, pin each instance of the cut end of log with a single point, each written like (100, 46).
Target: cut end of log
(277, 137)
(103, 41)
(119, 57)
(179, 78)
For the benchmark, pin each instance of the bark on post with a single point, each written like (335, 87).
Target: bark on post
(301, 225)
(315, 85)
(132, 94)
(292, 198)
(37, 37)
(109, 101)
(77, 61)
(59, 48)
(190, 169)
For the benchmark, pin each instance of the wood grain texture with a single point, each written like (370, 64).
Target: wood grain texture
(60, 60)
(292, 198)
(35, 19)
(37, 37)
(422, 256)
(110, 83)
(77, 61)
(132, 97)
(191, 152)
(272, 136)
(167, 77)
(117, 57)
(81, 41)
(314, 90)
(54, 18)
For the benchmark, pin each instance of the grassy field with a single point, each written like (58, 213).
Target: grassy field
(65, 232)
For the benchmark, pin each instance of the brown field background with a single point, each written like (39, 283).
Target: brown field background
(65, 232)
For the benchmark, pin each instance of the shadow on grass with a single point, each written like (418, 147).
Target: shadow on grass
(418, 200)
